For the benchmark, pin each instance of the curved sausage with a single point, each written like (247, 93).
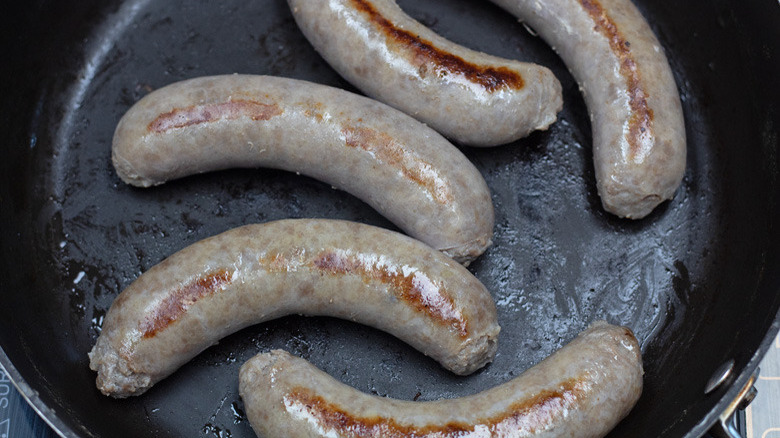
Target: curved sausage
(469, 96)
(638, 129)
(583, 390)
(400, 167)
(256, 273)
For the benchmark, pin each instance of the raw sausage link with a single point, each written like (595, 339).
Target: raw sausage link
(402, 168)
(583, 390)
(256, 273)
(638, 129)
(469, 96)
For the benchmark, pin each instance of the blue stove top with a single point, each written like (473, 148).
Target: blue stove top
(17, 419)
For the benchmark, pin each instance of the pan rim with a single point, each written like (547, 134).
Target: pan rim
(739, 382)
(30, 395)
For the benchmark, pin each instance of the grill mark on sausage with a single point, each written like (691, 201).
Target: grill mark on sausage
(424, 52)
(384, 148)
(640, 124)
(408, 284)
(211, 112)
(522, 418)
(173, 306)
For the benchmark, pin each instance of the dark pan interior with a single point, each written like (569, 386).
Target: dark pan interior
(697, 280)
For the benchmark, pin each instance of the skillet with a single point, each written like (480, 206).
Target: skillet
(698, 280)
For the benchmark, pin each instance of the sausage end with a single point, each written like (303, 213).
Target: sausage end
(469, 251)
(476, 354)
(116, 377)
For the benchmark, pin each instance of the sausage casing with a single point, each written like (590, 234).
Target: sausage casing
(400, 167)
(259, 272)
(468, 96)
(639, 149)
(583, 390)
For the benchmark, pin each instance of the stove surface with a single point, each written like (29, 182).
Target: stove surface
(762, 417)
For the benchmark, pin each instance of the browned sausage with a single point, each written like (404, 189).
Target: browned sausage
(469, 96)
(583, 391)
(260, 272)
(402, 168)
(638, 128)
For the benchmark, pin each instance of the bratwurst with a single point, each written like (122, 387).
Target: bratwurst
(639, 147)
(583, 391)
(468, 96)
(403, 169)
(260, 272)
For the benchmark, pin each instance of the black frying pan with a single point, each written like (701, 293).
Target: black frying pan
(698, 280)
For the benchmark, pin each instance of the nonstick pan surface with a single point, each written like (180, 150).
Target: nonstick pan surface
(697, 280)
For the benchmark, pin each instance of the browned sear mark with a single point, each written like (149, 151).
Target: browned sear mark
(528, 416)
(491, 78)
(196, 114)
(387, 150)
(421, 293)
(641, 121)
(412, 286)
(176, 304)
(314, 110)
